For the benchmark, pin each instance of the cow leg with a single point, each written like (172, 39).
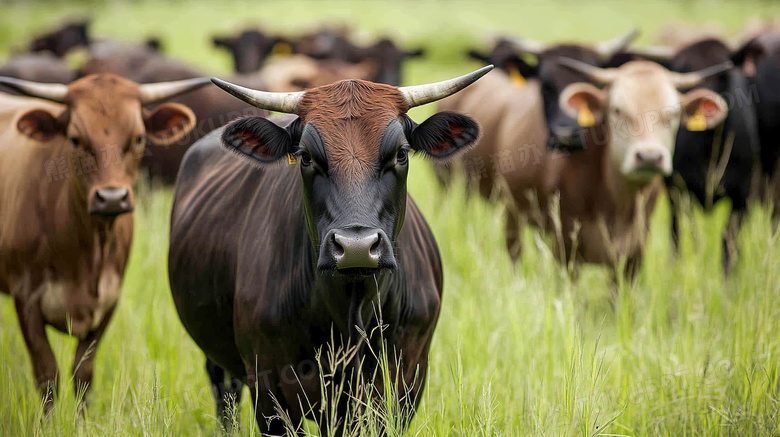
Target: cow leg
(674, 211)
(514, 237)
(28, 311)
(84, 361)
(227, 396)
(265, 408)
(731, 236)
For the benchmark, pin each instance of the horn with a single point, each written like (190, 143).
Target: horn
(690, 80)
(654, 52)
(601, 76)
(527, 45)
(279, 102)
(55, 92)
(606, 49)
(421, 94)
(153, 92)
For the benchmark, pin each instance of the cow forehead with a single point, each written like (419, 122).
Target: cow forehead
(351, 117)
(643, 86)
(103, 86)
(106, 103)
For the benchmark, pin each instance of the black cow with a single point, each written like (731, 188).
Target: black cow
(760, 61)
(249, 49)
(713, 164)
(60, 41)
(510, 53)
(270, 263)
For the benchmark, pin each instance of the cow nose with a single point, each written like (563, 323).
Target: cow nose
(110, 201)
(649, 158)
(356, 251)
(356, 248)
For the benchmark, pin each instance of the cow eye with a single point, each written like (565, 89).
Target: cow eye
(305, 159)
(75, 141)
(401, 157)
(140, 139)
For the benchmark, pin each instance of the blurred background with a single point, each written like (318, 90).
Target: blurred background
(520, 349)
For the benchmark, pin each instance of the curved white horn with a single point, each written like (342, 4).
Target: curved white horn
(153, 92)
(601, 76)
(279, 102)
(527, 45)
(55, 92)
(689, 80)
(606, 49)
(654, 52)
(421, 94)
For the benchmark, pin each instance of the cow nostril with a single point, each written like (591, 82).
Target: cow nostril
(338, 249)
(99, 197)
(374, 249)
(649, 157)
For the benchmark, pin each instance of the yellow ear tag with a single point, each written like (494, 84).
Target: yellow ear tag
(281, 49)
(291, 158)
(697, 123)
(516, 77)
(585, 118)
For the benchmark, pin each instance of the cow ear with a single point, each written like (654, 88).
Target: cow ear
(414, 53)
(476, 55)
(168, 123)
(584, 103)
(222, 42)
(702, 109)
(39, 125)
(747, 57)
(154, 44)
(259, 139)
(524, 68)
(444, 135)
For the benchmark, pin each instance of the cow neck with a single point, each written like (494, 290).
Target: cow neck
(352, 301)
(92, 233)
(622, 194)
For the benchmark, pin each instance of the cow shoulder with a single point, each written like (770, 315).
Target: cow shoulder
(422, 267)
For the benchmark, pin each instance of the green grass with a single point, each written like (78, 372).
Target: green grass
(519, 350)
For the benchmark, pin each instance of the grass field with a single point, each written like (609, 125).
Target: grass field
(518, 351)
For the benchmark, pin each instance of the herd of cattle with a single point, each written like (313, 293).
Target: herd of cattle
(268, 262)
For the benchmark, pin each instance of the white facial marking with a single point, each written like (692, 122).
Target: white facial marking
(644, 116)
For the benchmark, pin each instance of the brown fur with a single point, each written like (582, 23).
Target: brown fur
(339, 112)
(62, 265)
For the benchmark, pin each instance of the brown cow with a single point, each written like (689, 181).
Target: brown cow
(66, 194)
(607, 191)
(300, 72)
(334, 44)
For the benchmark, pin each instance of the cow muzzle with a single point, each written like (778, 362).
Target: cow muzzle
(356, 250)
(110, 201)
(645, 162)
